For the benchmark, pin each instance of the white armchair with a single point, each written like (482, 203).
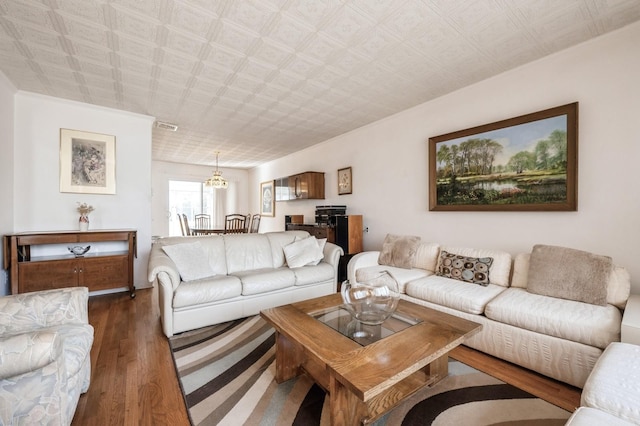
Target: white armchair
(45, 345)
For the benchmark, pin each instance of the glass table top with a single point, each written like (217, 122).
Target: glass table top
(341, 320)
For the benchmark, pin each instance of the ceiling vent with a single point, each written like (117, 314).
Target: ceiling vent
(166, 126)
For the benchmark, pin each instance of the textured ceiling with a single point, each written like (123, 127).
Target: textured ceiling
(259, 79)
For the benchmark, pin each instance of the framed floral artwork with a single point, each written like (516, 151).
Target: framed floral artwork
(87, 162)
(267, 198)
(345, 183)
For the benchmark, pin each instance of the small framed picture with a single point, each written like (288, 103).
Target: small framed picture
(87, 162)
(267, 199)
(345, 183)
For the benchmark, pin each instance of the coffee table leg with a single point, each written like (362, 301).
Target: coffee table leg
(345, 408)
(288, 359)
(438, 369)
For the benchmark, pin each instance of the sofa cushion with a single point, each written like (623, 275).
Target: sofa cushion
(247, 252)
(278, 240)
(314, 274)
(265, 280)
(586, 416)
(569, 274)
(618, 285)
(463, 268)
(614, 383)
(454, 294)
(399, 251)
(402, 275)
(500, 271)
(304, 252)
(190, 259)
(427, 256)
(585, 323)
(206, 290)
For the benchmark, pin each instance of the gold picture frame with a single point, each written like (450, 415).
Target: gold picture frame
(345, 181)
(87, 162)
(267, 198)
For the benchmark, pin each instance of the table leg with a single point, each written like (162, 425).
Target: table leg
(346, 409)
(288, 359)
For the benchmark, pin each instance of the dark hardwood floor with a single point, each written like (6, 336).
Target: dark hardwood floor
(133, 379)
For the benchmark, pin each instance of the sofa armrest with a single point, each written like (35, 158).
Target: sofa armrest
(160, 262)
(27, 352)
(361, 260)
(630, 328)
(29, 311)
(332, 254)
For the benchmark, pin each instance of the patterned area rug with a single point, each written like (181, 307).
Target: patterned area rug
(227, 377)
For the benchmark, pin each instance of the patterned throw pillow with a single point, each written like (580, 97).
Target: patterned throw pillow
(469, 269)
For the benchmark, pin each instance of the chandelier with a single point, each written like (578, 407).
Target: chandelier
(217, 181)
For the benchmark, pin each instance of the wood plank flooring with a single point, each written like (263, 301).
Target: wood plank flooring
(133, 379)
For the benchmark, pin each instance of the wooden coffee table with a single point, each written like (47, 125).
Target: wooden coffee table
(364, 382)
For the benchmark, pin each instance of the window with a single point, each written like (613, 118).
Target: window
(193, 198)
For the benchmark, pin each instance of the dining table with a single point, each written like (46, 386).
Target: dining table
(207, 231)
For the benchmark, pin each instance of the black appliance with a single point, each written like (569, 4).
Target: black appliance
(326, 215)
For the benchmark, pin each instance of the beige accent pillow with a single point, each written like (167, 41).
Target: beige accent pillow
(399, 251)
(569, 274)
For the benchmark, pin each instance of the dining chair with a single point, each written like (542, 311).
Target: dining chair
(255, 223)
(202, 221)
(187, 230)
(235, 223)
(181, 225)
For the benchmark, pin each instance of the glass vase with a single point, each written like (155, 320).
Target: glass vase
(83, 223)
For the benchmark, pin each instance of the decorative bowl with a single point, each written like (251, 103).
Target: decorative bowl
(79, 251)
(373, 298)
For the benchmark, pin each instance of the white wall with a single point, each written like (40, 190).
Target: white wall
(7, 92)
(162, 172)
(38, 203)
(389, 159)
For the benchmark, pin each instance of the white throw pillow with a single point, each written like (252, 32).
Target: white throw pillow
(190, 259)
(303, 252)
(321, 243)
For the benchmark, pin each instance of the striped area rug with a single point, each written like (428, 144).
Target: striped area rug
(227, 376)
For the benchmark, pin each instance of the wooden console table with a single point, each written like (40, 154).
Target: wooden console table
(97, 271)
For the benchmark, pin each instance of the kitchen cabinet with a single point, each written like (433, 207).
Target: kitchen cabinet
(306, 186)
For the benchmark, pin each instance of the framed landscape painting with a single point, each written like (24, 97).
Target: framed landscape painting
(526, 163)
(267, 199)
(87, 162)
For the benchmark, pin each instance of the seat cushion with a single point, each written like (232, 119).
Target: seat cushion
(614, 384)
(207, 290)
(313, 274)
(454, 294)
(402, 275)
(264, 280)
(580, 322)
(586, 416)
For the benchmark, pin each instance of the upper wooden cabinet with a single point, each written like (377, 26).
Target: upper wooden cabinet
(302, 186)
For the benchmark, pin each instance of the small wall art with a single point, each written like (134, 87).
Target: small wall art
(523, 163)
(345, 182)
(267, 199)
(87, 162)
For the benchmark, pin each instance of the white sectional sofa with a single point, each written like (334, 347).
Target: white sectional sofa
(611, 395)
(557, 337)
(211, 279)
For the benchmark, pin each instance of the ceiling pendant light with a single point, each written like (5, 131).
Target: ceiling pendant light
(217, 181)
